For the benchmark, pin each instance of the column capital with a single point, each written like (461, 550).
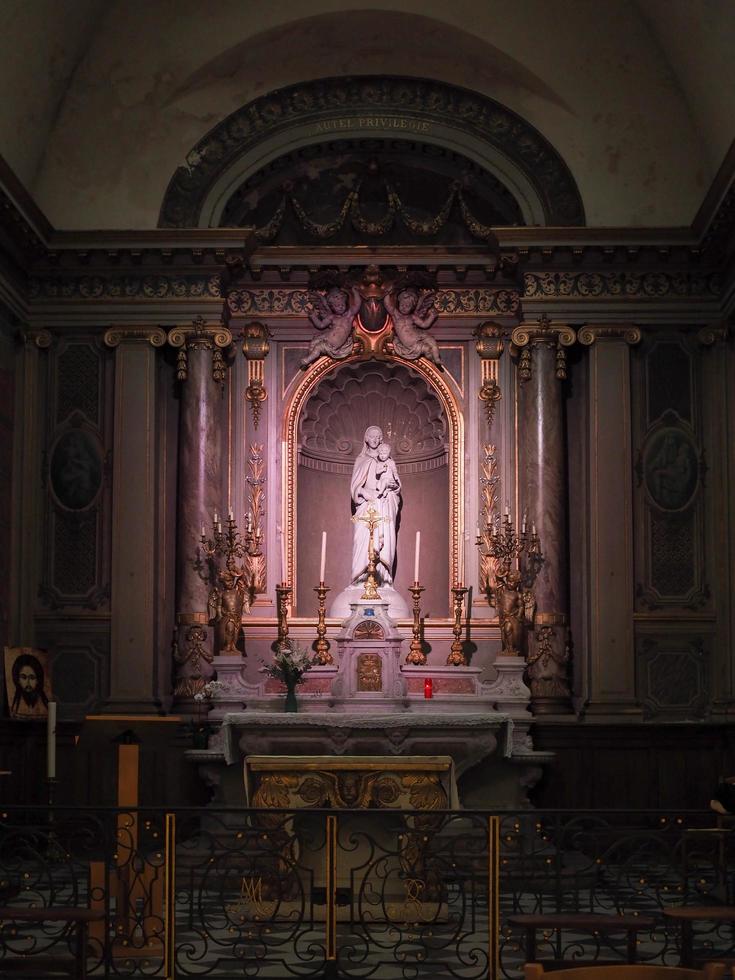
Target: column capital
(155, 336)
(712, 333)
(200, 335)
(37, 338)
(591, 332)
(545, 331)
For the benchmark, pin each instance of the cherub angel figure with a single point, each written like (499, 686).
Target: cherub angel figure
(336, 315)
(411, 315)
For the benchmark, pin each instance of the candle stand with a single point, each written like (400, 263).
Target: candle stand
(456, 656)
(416, 655)
(283, 593)
(323, 657)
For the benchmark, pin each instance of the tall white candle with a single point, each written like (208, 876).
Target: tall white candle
(416, 557)
(323, 564)
(284, 570)
(51, 741)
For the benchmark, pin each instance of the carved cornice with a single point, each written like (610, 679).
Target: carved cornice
(625, 331)
(155, 336)
(416, 105)
(269, 297)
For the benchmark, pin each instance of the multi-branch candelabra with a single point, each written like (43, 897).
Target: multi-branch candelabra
(509, 548)
(322, 656)
(229, 543)
(416, 655)
(231, 586)
(456, 656)
(516, 559)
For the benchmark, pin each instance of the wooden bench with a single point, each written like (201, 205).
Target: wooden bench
(589, 922)
(687, 915)
(78, 919)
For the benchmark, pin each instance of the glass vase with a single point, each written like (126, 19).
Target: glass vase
(291, 704)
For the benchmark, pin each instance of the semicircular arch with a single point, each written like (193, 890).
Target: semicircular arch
(431, 112)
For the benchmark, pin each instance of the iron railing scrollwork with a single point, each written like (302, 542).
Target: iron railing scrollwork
(350, 894)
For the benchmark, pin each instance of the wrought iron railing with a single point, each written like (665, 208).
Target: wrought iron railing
(349, 894)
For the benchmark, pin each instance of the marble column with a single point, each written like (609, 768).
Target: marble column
(543, 480)
(612, 678)
(201, 372)
(133, 681)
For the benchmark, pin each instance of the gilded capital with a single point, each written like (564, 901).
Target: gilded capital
(37, 338)
(545, 331)
(200, 335)
(710, 334)
(609, 331)
(155, 336)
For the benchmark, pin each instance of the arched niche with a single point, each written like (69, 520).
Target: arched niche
(325, 422)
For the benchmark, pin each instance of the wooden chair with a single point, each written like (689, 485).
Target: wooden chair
(625, 971)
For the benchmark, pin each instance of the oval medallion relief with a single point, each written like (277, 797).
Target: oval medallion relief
(75, 470)
(671, 468)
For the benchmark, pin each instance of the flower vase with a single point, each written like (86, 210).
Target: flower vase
(200, 738)
(291, 704)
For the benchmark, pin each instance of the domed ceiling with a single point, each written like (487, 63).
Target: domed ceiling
(637, 96)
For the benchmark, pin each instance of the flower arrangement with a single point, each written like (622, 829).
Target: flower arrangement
(289, 664)
(209, 691)
(198, 726)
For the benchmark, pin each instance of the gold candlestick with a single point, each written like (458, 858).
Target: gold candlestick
(372, 519)
(283, 592)
(416, 655)
(323, 656)
(456, 656)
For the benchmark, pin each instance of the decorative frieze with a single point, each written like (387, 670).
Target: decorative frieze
(621, 285)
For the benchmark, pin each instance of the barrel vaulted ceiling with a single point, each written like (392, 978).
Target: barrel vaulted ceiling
(104, 99)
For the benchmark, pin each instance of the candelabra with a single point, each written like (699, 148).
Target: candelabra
(230, 543)
(283, 593)
(507, 547)
(416, 655)
(231, 587)
(456, 656)
(323, 656)
(516, 559)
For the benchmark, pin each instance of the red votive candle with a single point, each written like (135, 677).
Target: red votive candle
(428, 688)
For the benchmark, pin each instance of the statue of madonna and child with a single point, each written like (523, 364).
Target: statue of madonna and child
(375, 482)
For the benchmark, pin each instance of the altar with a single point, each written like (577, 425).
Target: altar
(371, 684)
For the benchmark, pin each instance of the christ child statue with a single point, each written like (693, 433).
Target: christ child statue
(386, 474)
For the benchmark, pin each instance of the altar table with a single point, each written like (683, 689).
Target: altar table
(351, 782)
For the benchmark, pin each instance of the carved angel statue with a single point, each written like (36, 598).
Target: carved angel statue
(509, 601)
(336, 315)
(225, 606)
(412, 315)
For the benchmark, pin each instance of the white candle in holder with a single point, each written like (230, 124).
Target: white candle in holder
(284, 570)
(323, 564)
(51, 741)
(416, 557)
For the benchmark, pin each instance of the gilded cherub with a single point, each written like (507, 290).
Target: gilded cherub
(336, 315)
(412, 315)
